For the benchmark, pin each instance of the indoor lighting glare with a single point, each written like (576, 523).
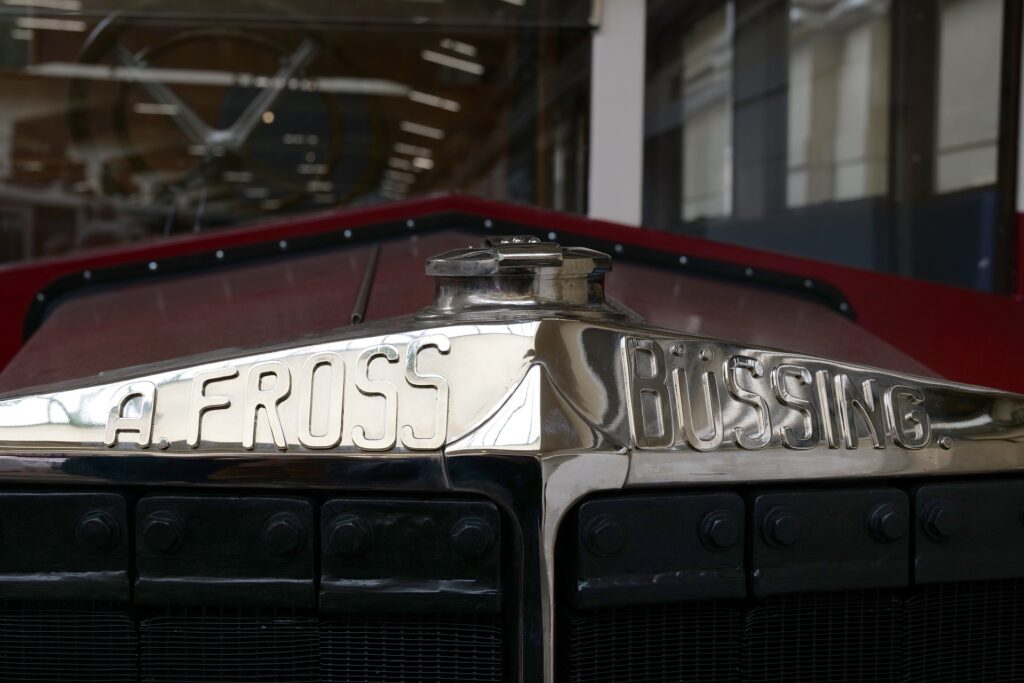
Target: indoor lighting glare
(419, 129)
(400, 176)
(422, 163)
(434, 101)
(63, 5)
(459, 46)
(49, 24)
(412, 150)
(453, 62)
(154, 108)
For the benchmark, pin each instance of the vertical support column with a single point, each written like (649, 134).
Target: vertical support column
(617, 112)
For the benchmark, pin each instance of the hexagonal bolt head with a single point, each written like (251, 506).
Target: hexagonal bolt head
(719, 530)
(98, 530)
(604, 536)
(284, 534)
(472, 537)
(886, 523)
(162, 531)
(781, 527)
(350, 535)
(940, 520)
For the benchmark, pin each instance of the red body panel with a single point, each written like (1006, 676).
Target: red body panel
(294, 296)
(964, 335)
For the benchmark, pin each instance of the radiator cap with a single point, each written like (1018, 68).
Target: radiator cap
(518, 272)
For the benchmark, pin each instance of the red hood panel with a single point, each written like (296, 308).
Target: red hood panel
(293, 296)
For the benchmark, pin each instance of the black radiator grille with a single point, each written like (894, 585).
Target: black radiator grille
(210, 644)
(675, 642)
(854, 636)
(66, 643)
(412, 649)
(958, 632)
(967, 632)
(58, 644)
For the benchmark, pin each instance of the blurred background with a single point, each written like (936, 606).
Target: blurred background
(871, 133)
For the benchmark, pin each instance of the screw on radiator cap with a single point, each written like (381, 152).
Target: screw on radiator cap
(98, 530)
(472, 537)
(940, 520)
(604, 536)
(350, 535)
(719, 531)
(887, 524)
(162, 531)
(781, 527)
(284, 533)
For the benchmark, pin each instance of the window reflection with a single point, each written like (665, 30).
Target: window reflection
(838, 112)
(864, 132)
(966, 141)
(707, 116)
(123, 121)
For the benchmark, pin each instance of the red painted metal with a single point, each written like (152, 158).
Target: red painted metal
(962, 334)
(295, 296)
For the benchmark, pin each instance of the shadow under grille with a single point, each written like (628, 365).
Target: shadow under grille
(66, 643)
(957, 632)
(412, 649)
(214, 644)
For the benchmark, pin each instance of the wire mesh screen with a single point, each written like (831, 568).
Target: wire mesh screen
(824, 637)
(956, 633)
(967, 633)
(210, 644)
(412, 649)
(57, 643)
(698, 642)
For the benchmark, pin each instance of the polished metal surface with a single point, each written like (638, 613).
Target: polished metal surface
(513, 274)
(595, 401)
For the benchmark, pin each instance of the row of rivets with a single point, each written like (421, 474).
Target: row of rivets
(283, 534)
(351, 535)
(604, 536)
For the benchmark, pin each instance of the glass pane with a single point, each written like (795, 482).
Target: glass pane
(865, 133)
(171, 116)
(968, 127)
(838, 111)
(707, 116)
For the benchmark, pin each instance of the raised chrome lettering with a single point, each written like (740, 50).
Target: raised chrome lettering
(436, 382)
(829, 419)
(712, 410)
(909, 426)
(142, 425)
(368, 387)
(260, 397)
(335, 391)
(863, 405)
(199, 402)
(753, 367)
(804, 406)
(648, 403)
